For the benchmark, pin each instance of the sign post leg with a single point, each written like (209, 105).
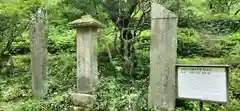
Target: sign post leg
(201, 106)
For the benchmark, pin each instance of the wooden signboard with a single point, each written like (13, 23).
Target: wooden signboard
(202, 82)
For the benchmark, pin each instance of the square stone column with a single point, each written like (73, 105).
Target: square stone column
(163, 48)
(87, 66)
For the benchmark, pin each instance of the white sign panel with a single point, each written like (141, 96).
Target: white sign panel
(202, 83)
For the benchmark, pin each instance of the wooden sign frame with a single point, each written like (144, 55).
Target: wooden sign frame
(210, 66)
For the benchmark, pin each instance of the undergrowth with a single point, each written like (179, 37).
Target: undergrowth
(114, 93)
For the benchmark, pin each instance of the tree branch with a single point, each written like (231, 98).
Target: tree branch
(12, 37)
(237, 12)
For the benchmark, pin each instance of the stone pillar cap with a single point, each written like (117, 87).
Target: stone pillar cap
(86, 21)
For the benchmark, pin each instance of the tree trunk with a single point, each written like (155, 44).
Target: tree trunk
(127, 51)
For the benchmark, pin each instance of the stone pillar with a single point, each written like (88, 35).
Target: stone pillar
(162, 59)
(87, 67)
(38, 47)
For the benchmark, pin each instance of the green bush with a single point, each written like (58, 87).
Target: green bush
(143, 44)
(56, 103)
(21, 45)
(62, 73)
(220, 26)
(234, 79)
(114, 94)
(59, 40)
(235, 51)
(188, 17)
(17, 87)
(213, 50)
(235, 56)
(230, 43)
(224, 46)
(233, 106)
(115, 91)
(189, 43)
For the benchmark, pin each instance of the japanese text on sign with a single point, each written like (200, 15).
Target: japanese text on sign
(202, 83)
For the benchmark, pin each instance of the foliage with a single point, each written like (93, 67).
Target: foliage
(115, 91)
(55, 103)
(14, 20)
(189, 43)
(12, 27)
(200, 15)
(220, 26)
(230, 44)
(112, 95)
(17, 87)
(222, 6)
(143, 44)
(21, 45)
(61, 40)
(188, 17)
(235, 84)
(235, 54)
(129, 18)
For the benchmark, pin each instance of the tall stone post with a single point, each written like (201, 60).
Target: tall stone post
(38, 47)
(162, 59)
(87, 67)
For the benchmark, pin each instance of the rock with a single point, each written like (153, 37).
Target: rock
(82, 100)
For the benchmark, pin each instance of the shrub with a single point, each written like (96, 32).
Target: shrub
(56, 103)
(234, 79)
(222, 26)
(116, 94)
(224, 46)
(233, 106)
(230, 44)
(235, 56)
(17, 87)
(235, 52)
(21, 45)
(189, 43)
(188, 17)
(59, 40)
(115, 91)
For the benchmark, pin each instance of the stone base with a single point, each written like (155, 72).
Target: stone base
(82, 102)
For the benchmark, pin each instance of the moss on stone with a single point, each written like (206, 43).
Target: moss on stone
(86, 21)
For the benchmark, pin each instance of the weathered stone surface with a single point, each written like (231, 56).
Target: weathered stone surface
(83, 100)
(87, 65)
(86, 21)
(39, 61)
(163, 50)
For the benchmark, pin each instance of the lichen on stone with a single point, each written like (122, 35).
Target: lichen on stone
(86, 21)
